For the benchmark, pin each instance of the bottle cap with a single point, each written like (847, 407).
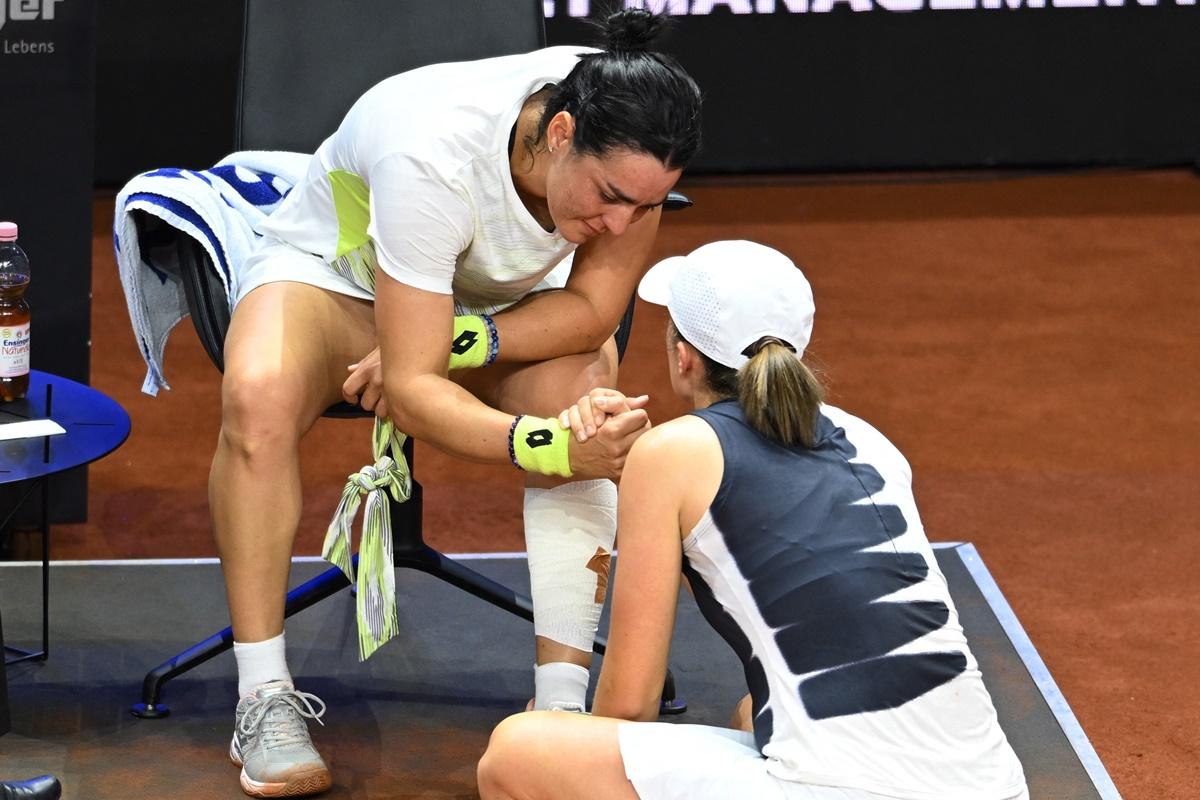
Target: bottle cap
(8, 231)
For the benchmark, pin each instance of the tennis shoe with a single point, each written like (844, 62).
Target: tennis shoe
(272, 746)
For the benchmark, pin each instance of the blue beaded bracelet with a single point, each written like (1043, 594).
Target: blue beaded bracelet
(493, 349)
(512, 431)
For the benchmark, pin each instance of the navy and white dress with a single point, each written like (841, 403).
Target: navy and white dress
(813, 565)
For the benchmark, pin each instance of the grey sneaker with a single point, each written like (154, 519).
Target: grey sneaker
(271, 743)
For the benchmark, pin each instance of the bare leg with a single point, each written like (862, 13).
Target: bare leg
(285, 361)
(554, 755)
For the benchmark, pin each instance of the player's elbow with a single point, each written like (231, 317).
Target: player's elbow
(596, 323)
(592, 334)
(403, 402)
(596, 339)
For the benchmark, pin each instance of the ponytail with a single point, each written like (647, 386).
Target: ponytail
(779, 395)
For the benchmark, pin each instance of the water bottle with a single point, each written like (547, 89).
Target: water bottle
(14, 316)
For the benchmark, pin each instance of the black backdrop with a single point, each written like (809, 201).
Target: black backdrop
(47, 57)
(785, 91)
(940, 88)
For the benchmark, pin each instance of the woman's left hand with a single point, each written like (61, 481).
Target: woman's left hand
(590, 411)
(365, 384)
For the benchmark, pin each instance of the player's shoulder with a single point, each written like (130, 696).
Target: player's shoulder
(676, 465)
(678, 440)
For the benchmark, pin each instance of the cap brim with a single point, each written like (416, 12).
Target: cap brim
(656, 284)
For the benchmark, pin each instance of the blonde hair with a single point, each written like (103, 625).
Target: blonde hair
(778, 393)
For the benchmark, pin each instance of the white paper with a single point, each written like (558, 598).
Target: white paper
(30, 429)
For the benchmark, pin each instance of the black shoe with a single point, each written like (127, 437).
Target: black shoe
(46, 787)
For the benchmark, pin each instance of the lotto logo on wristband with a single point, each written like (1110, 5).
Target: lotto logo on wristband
(540, 445)
(463, 344)
(539, 438)
(475, 341)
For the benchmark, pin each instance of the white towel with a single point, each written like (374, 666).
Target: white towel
(220, 208)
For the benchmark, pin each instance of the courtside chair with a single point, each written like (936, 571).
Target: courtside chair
(303, 64)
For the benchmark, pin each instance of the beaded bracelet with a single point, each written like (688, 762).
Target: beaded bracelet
(493, 347)
(512, 450)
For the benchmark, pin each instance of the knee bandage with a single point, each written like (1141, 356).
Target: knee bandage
(569, 533)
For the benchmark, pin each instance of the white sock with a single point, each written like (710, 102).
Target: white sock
(569, 533)
(259, 663)
(559, 685)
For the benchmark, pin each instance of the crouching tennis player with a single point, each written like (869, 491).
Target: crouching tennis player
(796, 527)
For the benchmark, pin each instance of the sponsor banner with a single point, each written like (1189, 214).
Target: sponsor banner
(840, 85)
(701, 8)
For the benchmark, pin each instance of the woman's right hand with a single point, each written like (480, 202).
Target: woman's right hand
(603, 454)
(365, 384)
(589, 413)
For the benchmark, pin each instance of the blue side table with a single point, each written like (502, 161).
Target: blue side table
(96, 425)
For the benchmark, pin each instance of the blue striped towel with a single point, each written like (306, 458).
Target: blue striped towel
(220, 208)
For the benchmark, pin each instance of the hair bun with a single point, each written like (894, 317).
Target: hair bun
(632, 30)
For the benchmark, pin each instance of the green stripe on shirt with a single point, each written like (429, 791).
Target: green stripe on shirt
(352, 204)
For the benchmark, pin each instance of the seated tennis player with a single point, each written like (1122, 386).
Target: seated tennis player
(796, 527)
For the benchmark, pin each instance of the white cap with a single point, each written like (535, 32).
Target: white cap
(725, 296)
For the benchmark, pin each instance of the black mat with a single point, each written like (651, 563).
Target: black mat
(411, 722)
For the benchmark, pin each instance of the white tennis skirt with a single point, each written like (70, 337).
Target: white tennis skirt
(698, 762)
(274, 261)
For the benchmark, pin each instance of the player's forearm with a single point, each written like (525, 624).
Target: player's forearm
(440, 412)
(624, 703)
(549, 325)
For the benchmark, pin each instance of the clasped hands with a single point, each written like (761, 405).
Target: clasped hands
(604, 424)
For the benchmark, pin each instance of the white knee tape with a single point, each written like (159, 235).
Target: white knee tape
(569, 533)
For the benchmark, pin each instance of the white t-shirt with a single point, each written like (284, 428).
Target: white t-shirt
(416, 180)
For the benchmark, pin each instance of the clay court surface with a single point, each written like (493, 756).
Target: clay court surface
(1032, 344)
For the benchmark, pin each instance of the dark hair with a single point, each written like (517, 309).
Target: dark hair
(778, 393)
(629, 96)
